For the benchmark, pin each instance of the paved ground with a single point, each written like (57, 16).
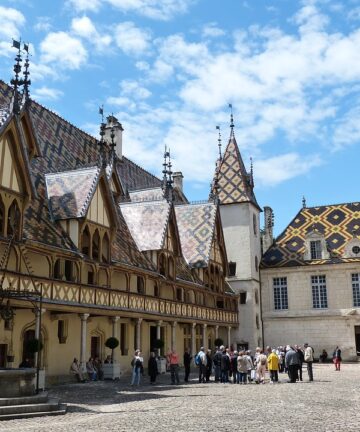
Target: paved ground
(330, 403)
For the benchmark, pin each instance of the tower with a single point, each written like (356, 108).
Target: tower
(240, 219)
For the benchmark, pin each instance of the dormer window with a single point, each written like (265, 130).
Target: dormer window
(315, 249)
(352, 248)
(315, 246)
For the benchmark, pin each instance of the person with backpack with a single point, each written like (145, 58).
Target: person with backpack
(242, 364)
(217, 364)
(261, 367)
(337, 358)
(201, 362)
(137, 365)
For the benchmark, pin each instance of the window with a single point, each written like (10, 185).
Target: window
(61, 331)
(280, 293)
(90, 277)
(85, 241)
(2, 217)
(179, 294)
(232, 268)
(13, 222)
(315, 249)
(171, 268)
(355, 280)
(123, 340)
(140, 285)
(243, 297)
(69, 270)
(356, 250)
(257, 321)
(57, 269)
(255, 224)
(256, 297)
(220, 304)
(105, 249)
(162, 265)
(256, 264)
(156, 291)
(96, 245)
(319, 295)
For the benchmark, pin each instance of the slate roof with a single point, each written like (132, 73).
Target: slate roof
(70, 192)
(339, 224)
(235, 184)
(196, 224)
(134, 177)
(147, 222)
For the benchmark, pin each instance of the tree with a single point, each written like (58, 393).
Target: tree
(112, 343)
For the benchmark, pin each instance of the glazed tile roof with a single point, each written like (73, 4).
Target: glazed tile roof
(337, 223)
(134, 177)
(70, 192)
(147, 222)
(235, 184)
(150, 194)
(196, 224)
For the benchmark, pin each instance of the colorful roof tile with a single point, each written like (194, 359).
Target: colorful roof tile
(339, 224)
(196, 224)
(147, 222)
(234, 183)
(150, 194)
(70, 192)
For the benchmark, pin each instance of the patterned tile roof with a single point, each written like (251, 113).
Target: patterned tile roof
(337, 223)
(235, 184)
(70, 192)
(147, 222)
(151, 194)
(134, 177)
(196, 224)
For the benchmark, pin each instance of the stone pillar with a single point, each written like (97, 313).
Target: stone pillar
(37, 330)
(158, 329)
(83, 338)
(115, 334)
(138, 333)
(204, 336)
(193, 339)
(173, 335)
(216, 332)
(229, 336)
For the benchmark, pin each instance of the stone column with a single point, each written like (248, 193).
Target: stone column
(37, 330)
(216, 332)
(204, 336)
(138, 333)
(229, 336)
(158, 329)
(193, 339)
(173, 335)
(83, 338)
(115, 334)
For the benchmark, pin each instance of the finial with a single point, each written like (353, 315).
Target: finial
(164, 171)
(303, 202)
(27, 81)
(102, 141)
(251, 172)
(16, 82)
(219, 142)
(101, 112)
(231, 121)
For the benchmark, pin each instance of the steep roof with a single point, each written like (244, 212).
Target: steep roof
(339, 224)
(134, 177)
(196, 224)
(234, 183)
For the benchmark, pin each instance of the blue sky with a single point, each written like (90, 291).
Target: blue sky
(169, 68)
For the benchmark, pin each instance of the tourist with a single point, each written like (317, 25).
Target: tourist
(187, 363)
(75, 370)
(337, 358)
(242, 364)
(233, 366)
(309, 359)
(281, 355)
(273, 366)
(292, 363)
(209, 364)
(108, 359)
(323, 356)
(137, 365)
(250, 366)
(152, 368)
(225, 365)
(261, 367)
(90, 369)
(301, 360)
(217, 364)
(99, 368)
(202, 362)
(173, 360)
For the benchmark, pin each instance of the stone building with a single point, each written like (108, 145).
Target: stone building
(310, 279)
(114, 250)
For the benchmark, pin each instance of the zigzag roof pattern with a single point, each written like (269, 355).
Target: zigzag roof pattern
(339, 224)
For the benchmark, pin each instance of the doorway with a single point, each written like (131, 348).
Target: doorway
(3, 352)
(95, 347)
(357, 339)
(27, 354)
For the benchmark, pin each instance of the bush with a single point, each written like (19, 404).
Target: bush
(111, 343)
(34, 345)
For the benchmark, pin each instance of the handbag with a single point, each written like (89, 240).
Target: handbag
(253, 374)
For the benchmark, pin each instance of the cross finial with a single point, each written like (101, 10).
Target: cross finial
(219, 142)
(303, 202)
(231, 121)
(16, 81)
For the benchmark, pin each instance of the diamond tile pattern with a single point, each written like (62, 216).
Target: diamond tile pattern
(338, 223)
(196, 225)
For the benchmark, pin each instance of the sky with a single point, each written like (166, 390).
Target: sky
(168, 69)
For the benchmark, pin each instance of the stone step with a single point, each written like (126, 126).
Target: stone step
(24, 400)
(51, 405)
(60, 411)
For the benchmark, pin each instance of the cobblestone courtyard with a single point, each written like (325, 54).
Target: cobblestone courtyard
(330, 403)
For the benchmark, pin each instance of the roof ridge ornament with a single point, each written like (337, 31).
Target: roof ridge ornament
(303, 202)
(219, 142)
(232, 134)
(16, 81)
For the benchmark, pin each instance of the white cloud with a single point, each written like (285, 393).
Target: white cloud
(212, 30)
(64, 50)
(347, 130)
(84, 5)
(46, 93)
(43, 24)
(277, 169)
(134, 89)
(131, 39)
(10, 21)
(85, 28)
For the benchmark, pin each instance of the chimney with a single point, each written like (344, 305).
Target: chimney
(178, 180)
(268, 228)
(113, 123)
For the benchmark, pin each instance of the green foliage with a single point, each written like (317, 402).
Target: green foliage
(112, 343)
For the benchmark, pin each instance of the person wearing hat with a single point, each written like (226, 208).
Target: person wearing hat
(309, 359)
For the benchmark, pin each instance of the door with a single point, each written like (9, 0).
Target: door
(95, 346)
(28, 336)
(357, 339)
(3, 352)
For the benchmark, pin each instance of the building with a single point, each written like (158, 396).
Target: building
(240, 216)
(113, 250)
(310, 279)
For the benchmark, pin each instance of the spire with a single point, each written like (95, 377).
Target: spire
(232, 135)
(167, 183)
(219, 142)
(251, 172)
(303, 202)
(102, 150)
(27, 81)
(16, 81)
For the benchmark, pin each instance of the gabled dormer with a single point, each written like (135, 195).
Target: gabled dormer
(315, 246)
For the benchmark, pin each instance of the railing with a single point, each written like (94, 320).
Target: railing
(112, 299)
